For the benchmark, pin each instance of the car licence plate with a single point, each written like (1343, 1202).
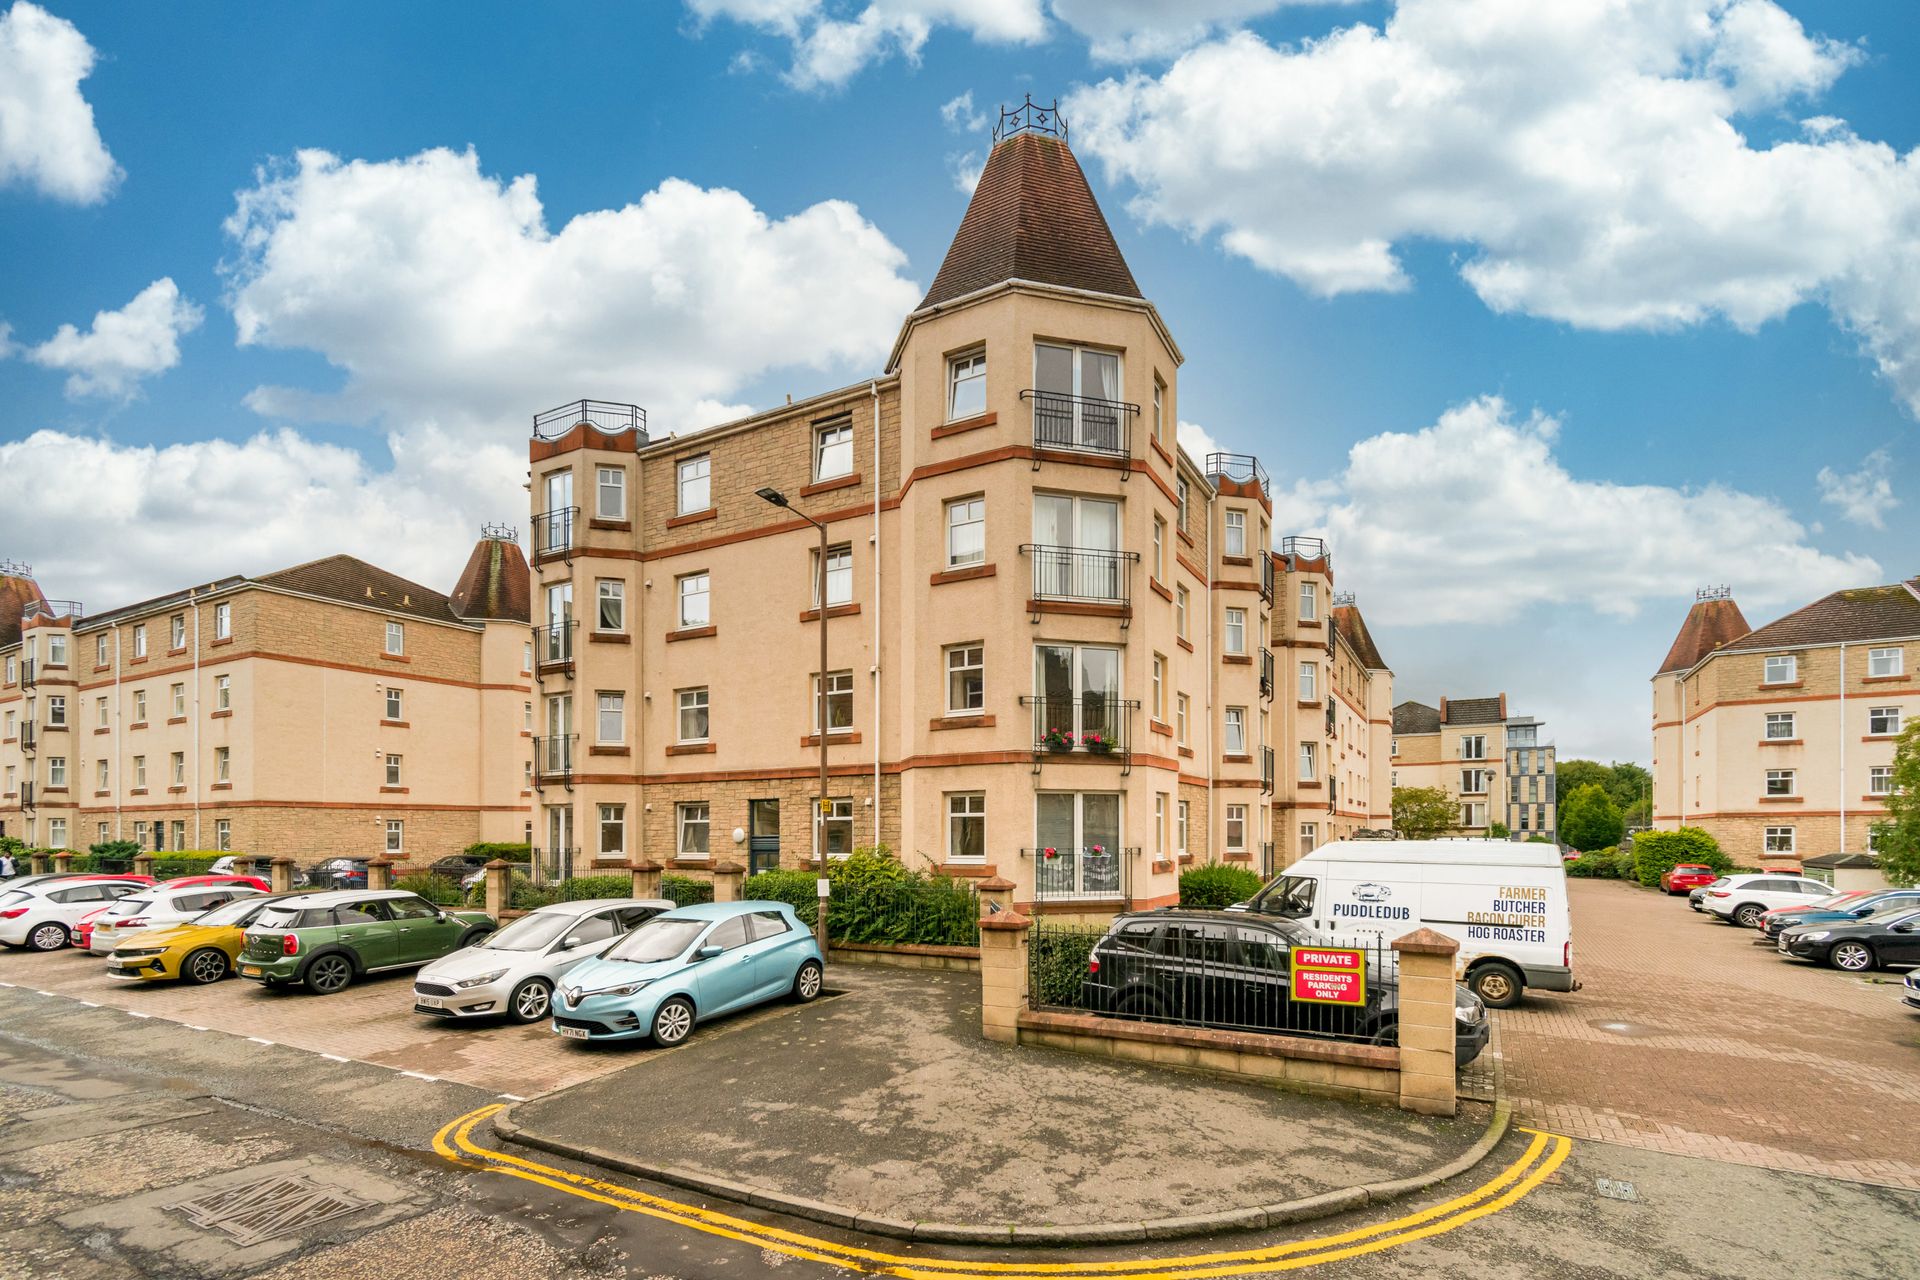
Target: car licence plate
(1783, 947)
(430, 1002)
(573, 1033)
(249, 970)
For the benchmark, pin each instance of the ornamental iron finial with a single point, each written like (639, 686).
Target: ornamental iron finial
(1031, 117)
(1722, 592)
(1343, 599)
(499, 533)
(15, 569)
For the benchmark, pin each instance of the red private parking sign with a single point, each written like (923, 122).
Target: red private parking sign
(1328, 975)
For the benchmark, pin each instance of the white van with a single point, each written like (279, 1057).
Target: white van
(1504, 903)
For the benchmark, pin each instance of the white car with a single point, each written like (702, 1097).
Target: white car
(1744, 899)
(42, 915)
(158, 908)
(513, 972)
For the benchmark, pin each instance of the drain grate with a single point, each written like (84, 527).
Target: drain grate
(271, 1207)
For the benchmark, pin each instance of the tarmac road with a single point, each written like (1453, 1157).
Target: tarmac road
(137, 1147)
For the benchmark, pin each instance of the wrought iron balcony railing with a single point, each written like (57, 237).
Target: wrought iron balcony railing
(1266, 770)
(1266, 674)
(52, 609)
(553, 646)
(553, 759)
(1082, 424)
(1266, 575)
(553, 531)
(1074, 574)
(1330, 716)
(29, 673)
(27, 743)
(1091, 724)
(1064, 873)
(26, 796)
(1266, 858)
(1239, 468)
(1304, 548)
(609, 416)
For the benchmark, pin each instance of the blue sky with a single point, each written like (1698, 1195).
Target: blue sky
(1392, 251)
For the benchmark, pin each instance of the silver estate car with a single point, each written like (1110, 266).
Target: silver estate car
(512, 973)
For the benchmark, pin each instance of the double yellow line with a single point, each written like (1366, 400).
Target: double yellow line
(1543, 1155)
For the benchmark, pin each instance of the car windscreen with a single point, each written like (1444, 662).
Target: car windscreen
(1832, 900)
(14, 895)
(1888, 912)
(661, 938)
(279, 918)
(128, 907)
(238, 912)
(529, 933)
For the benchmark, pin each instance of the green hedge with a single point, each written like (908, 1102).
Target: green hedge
(1602, 864)
(442, 891)
(875, 899)
(1057, 962)
(506, 852)
(684, 890)
(798, 889)
(1655, 852)
(1214, 885)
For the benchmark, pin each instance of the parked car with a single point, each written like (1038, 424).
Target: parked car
(1504, 903)
(1743, 899)
(336, 873)
(201, 950)
(1889, 937)
(215, 879)
(42, 916)
(1229, 970)
(512, 973)
(1686, 877)
(1910, 991)
(166, 904)
(690, 965)
(324, 941)
(1852, 905)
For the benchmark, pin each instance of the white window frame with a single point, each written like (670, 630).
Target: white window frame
(1309, 762)
(56, 711)
(99, 654)
(610, 481)
(395, 706)
(1233, 730)
(1159, 549)
(99, 775)
(140, 640)
(839, 575)
(693, 485)
(396, 770)
(963, 808)
(1234, 530)
(1880, 780)
(1309, 682)
(966, 521)
(839, 687)
(689, 817)
(1160, 687)
(828, 440)
(1781, 782)
(693, 592)
(1882, 663)
(1475, 782)
(838, 817)
(696, 701)
(223, 622)
(1780, 720)
(177, 631)
(103, 711)
(1309, 603)
(396, 639)
(968, 369)
(1888, 718)
(610, 591)
(177, 700)
(1180, 596)
(1182, 827)
(223, 764)
(396, 835)
(139, 706)
(1234, 633)
(1309, 837)
(140, 772)
(1181, 710)
(177, 768)
(1160, 815)
(1234, 819)
(222, 694)
(960, 659)
(610, 703)
(1473, 746)
(1159, 409)
(1778, 839)
(223, 834)
(1780, 668)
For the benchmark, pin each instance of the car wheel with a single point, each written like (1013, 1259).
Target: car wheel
(530, 1001)
(328, 973)
(1497, 985)
(1142, 1004)
(1854, 957)
(48, 937)
(1387, 1036)
(1748, 914)
(672, 1022)
(470, 937)
(204, 967)
(807, 982)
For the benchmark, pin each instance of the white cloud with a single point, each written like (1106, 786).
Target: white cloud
(959, 114)
(1140, 30)
(161, 518)
(1197, 441)
(1474, 520)
(1864, 496)
(442, 295)
(1588, 154)
(121, 347)
(47, 136)
(829, 50)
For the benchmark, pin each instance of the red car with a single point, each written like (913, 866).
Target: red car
(1686, 877)
(185, 882)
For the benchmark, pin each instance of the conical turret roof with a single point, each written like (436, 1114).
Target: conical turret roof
(17, 590)
(1711, 623)
(1032, 217)
(496, 585)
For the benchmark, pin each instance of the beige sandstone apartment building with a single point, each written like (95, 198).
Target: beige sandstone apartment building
(1048, 626)
(1496, 766)
(327, 709)
(1779, 740)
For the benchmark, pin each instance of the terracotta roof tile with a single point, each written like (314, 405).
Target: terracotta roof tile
(354, 581)
(15, 594)
(1032, 217)
(1348, 622)
(496, 584)
(1709, 625)
(1859, 613)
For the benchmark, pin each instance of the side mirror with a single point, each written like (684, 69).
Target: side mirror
(1903, 928)
(708, 953)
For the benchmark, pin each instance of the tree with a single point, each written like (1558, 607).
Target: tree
(1898, 838)
(1421, 813)
(1627, 784)
(1590, 820)
(1497, 831)
(1658, 851)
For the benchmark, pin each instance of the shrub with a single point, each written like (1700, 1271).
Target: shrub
(1215, 884)
(798, 889)
(867, 866)
(440, 890)
(1657, 851)
(1057, 962)
(580, 888)
(507, 852)
(191, 863)
(685, 890)
(926, 911)
(1601, 864)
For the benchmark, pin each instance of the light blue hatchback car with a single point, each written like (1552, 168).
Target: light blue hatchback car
(687, 966)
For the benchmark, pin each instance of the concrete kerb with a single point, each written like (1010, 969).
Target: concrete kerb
(1308, 1208)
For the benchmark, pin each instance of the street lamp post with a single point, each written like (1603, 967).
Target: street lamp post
(779, 499)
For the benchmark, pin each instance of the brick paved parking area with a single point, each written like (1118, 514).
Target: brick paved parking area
(371, 1021)
(1687, 1038)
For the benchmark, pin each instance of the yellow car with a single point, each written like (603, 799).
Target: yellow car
(201, 950)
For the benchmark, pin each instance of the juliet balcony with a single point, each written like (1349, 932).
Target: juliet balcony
(1077, 575)
(553, 649)
(1081, 424)
(553, 760)
(1092, 725)
(1063, 873)
(554, 532)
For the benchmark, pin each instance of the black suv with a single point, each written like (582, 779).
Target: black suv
(1229, 970)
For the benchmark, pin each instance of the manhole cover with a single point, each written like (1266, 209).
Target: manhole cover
(1615, 1189)
(271, 1207)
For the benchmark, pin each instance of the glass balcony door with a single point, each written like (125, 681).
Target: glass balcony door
(1078, 405)
(1082, 828)
(1077, 541)
(1079, 690)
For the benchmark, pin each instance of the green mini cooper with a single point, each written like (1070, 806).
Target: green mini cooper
(325, 940)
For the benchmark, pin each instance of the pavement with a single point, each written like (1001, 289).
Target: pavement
(883, 1103)
(1688, 1039)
